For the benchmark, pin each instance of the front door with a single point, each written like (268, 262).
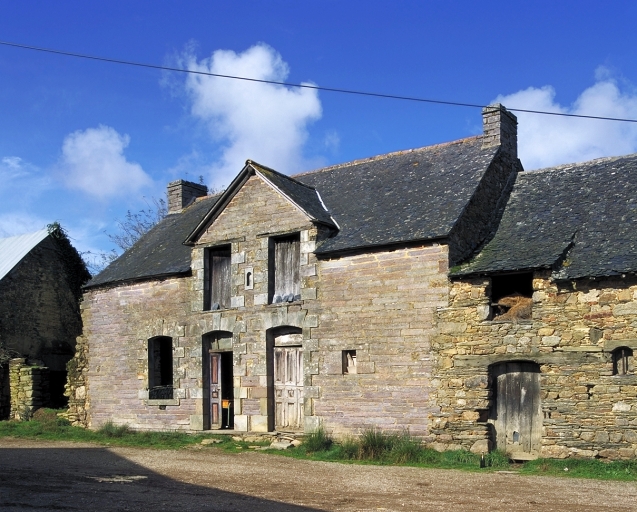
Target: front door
(288, 387)
(516, 413)
(221, 392)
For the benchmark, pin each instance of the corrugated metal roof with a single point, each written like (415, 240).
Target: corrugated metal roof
(14, 248)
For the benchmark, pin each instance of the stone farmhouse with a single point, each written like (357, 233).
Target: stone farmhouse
(441, 291)
(41, 276)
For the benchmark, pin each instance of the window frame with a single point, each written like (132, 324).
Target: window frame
(284, 270)
(217, 295)
(161, 348)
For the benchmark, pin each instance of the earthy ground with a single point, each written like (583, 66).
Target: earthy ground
(64, 476)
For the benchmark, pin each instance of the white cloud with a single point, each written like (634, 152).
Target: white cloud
(263, 122)
(19, 223)
(545, 141)
(93, 161)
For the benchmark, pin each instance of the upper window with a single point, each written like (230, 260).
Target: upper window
(622, 361)
(160, 368)
(285, 260)
(511, 296)
(217, 278)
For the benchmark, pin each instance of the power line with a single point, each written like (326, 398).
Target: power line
(302, 86)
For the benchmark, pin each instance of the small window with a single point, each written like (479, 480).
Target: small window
(284, 269)
(249, 278)
(160, 368)
(511, 296)
(349, 362)
(217, 278)
(622, 361)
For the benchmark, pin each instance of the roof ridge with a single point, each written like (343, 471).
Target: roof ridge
(265, 168)
(387, 155)
(575, 165)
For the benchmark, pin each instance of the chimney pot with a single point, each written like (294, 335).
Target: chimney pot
(500, 128)
(182, 193)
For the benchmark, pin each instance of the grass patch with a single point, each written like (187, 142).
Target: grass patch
(372, 447)
(625, 470)
(46, 425)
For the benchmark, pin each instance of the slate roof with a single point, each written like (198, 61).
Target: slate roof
(305, 196)
(15, 248)
(406, 196)
(584, 214)
(160, 251)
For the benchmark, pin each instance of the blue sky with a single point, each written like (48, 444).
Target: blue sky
(81, 142)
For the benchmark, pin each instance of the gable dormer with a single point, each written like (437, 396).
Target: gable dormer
(256, 245)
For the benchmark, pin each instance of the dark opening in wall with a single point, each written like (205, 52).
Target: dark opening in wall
(349, 362)
(160, 368)
(511, 296)
(622, 361)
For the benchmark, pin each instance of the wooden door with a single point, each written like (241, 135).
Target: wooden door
(516, 413)
(215, 390)
(288, 388)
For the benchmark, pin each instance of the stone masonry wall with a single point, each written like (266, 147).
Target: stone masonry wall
(382, 305)
(587, 411)
(29, 388)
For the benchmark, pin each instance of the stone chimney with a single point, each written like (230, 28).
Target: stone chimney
(182, 193)
(500, 128)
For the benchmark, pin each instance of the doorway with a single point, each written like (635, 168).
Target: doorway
(285, 379)
(218, 381)
(516, 411)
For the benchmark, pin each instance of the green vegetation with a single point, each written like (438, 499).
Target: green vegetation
(372, 447)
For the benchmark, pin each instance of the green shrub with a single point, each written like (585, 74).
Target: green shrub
(349, 449)
(405, 449)
(109, 429)
(317, 441)
(374, 445)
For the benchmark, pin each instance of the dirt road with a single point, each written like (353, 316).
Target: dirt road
(65, 476)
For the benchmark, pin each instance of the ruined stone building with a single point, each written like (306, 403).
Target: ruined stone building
(40, 285)
(441, 291)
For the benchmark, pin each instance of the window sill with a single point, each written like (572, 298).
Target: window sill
(164, 401)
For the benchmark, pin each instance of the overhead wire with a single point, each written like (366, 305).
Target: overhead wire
(303, 85)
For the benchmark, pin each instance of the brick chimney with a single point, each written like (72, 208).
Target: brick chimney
(500, 128)
(182, 193)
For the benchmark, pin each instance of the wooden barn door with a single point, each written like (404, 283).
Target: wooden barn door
(288, 388)
(516, 413)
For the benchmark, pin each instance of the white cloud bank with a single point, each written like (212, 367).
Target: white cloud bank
(93, 161)
(263, 122)
(545, 141)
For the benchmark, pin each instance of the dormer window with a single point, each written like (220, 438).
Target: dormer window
(284, 269)
(217, 278)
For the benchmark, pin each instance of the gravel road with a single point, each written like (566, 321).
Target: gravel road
(70, 476)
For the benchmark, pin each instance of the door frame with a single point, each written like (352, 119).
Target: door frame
(277, 336)
(505, 421)
(216, 342)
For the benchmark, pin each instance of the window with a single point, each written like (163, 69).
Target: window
(349, 362)
(622, 361)
(160, 368)
(285, 259)
(511, 296)
(217, 278)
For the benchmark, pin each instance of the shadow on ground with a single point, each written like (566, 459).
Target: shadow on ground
(95, 479)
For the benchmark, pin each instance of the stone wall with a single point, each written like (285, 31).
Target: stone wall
(382, 305)
(29, 385)
(574, 328)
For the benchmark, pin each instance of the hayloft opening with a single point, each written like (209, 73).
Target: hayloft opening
(349, 362)
(217, 278)
(284, 269)
(511, 296)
